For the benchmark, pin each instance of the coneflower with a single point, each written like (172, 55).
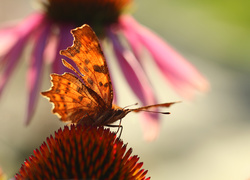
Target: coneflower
(49, 31)
(82, 152)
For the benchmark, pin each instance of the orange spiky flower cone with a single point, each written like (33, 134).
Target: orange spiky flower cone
(82, 152)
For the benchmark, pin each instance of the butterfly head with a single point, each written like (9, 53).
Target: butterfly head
(118, 112)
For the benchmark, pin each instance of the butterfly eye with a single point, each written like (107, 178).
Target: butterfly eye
(118, 112)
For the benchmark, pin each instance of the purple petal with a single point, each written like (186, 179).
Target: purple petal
(35, 70)
(12, 57)
(133, 72)
(139, 83)
(65, 40)
(179, 72)
(10, 65)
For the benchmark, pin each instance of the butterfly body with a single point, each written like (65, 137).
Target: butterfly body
(109, 116)
(86, 98)
(104, 117)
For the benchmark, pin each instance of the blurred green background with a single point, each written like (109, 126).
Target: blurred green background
(207, 138)
(214, 30)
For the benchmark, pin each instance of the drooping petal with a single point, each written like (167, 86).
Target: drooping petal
(180, 73)
(10, 34)
(36, 66)
(50, 50)
(150, 125)
(12, 57)
(65, 40)
(8, 39)
(138, 82)
(133, 71)
(132, 38)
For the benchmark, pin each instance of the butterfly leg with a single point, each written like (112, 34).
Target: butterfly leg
(118, 126)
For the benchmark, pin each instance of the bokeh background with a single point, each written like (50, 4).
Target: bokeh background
(207, 138)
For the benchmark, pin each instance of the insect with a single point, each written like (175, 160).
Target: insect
(87, 99)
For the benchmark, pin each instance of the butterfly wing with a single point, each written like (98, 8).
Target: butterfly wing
(89, 59)
(71, 99)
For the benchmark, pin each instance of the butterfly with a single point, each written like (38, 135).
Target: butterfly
(87, 98)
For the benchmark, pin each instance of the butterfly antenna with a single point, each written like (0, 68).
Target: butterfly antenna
(160, 112)
(130, 105)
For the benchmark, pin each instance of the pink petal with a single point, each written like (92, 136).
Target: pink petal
(133, 72)
(10, 35)
(50, 50)
(12, 57)
(32, 21)
(179, 72)
(35, 70)
(8, 39)
(11, 63)
(132, 38)
(139, 83)
(150, 126)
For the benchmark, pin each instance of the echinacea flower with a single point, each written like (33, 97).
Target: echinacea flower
(82, 152)
(49, 29)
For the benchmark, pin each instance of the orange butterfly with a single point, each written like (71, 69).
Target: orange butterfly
(87, 99)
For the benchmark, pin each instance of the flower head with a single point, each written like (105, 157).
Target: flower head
(49, 31)
(97, 13)
(82, 152)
